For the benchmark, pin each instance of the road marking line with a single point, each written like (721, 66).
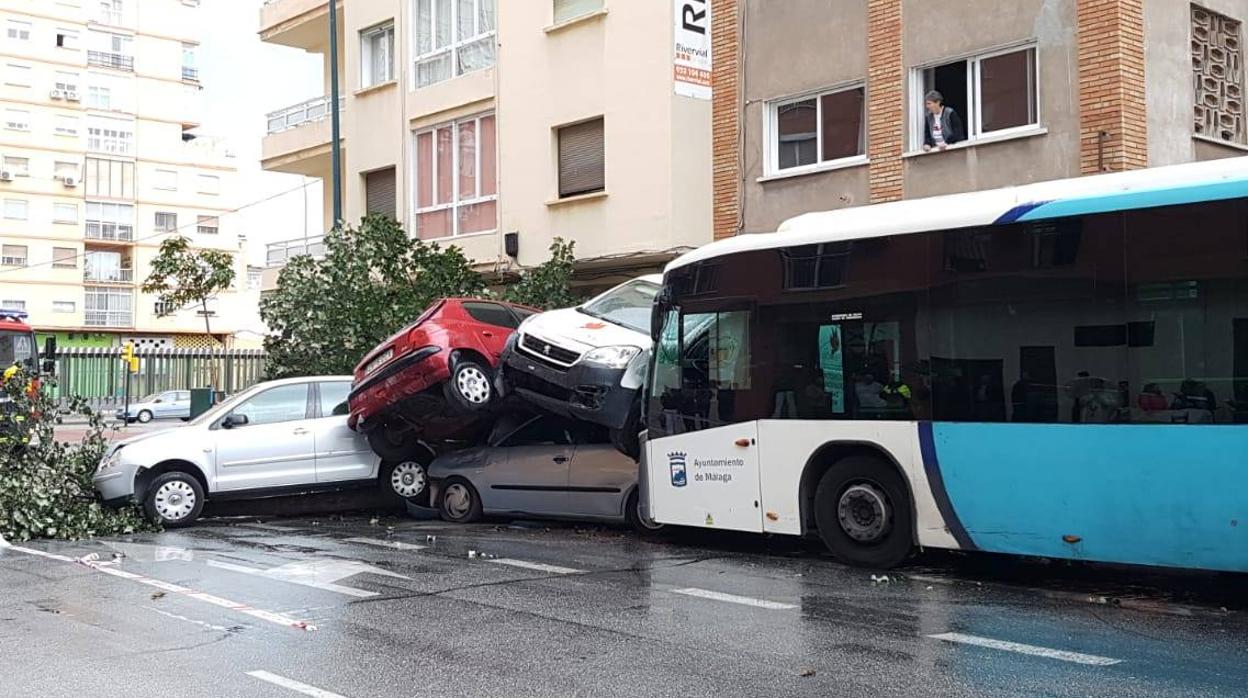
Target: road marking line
(733, 598)
(202, 624)
(396, 545)
(272, 527)
(318, 574)
(1075, 657)
(293, 685)
(268, 616)
(535, 566)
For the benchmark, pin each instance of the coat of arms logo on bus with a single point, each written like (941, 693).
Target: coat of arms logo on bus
(676, 461)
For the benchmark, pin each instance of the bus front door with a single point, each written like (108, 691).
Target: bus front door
(707, 479)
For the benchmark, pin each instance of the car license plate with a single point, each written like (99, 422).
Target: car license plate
(379, 361)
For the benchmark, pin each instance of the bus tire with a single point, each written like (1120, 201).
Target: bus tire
(863, 512)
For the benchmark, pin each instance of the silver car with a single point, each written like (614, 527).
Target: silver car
(282, 437)
(171, 403)
(544, 466)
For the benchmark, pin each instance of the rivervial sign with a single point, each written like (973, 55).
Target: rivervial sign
(692, 48)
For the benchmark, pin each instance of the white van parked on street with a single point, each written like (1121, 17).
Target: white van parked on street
(587, 362)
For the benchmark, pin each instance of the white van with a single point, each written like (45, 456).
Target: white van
(587, 362)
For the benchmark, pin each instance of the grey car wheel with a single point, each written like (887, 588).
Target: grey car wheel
(459, 502)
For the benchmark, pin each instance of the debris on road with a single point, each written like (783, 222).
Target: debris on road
(158, 595)
(806, 672)
(880, 579)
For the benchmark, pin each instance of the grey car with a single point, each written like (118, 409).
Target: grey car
(543, 466)
(171, 403)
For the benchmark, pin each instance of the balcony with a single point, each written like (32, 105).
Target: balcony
(116, 61)
(108, 276)
(279, 253)
(108, 318)
(298, 23)
(298, 140)
(109, 232)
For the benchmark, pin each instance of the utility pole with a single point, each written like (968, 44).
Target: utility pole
(334, 116)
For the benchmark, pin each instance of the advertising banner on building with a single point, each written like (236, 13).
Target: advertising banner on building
(692, 48)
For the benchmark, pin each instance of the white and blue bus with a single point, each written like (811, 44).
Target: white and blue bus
(1057, 370)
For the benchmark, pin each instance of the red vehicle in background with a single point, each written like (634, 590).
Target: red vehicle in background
(18, 350)
(431, 379)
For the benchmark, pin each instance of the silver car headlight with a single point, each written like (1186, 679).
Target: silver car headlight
(612, 357)
(112, 460)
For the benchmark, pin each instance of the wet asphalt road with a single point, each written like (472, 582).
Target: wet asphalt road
(403, 607)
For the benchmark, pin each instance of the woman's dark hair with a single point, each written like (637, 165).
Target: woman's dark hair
(934, 96)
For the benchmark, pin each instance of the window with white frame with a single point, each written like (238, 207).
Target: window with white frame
(64, 213)
(113, 136)
(66, 38)
(63, 168)
(995, 93)
(17, 75)
(816, 130)
(16, 209)
(208, 184)
(17, 30)
(166, 221)
(565, 10)
(110, 12)
(17, 119)
(110, 178)
(107, 306)
(64, 307)
(66, 82)
(13, 255)
(167, 180)
(64, 258)
(99, 97)
(190, 62)
(13, 305)
(377, 55)
(455, 184)
(207, 225)
(453, 37)
(20, 167)
(109, 221)
(66, 125)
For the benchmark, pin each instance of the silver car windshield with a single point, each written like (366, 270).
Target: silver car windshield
(225, 407)
(627, 305)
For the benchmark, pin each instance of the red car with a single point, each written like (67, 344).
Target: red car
(432, 377)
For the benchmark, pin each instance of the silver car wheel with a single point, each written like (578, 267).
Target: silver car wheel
(408, 479)
(473, 385)
(174, 500)
(458, 500)
(145, 416)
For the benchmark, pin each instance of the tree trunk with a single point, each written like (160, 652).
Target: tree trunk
(212, 344)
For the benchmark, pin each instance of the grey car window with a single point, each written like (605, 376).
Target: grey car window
(334, 398)
(541, 431)
(285, 403)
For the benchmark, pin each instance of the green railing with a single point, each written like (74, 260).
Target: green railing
(99, 375)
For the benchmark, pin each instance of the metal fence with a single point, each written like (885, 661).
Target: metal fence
(98, 374)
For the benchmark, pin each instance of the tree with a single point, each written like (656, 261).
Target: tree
(183, 277)
(373, 280)
(548, 285)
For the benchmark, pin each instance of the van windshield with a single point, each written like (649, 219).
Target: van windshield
(627, 305)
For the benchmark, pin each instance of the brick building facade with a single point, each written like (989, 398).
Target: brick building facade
(819, 105)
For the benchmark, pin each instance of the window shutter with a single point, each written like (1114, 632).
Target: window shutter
(582, 161)
(379, 192)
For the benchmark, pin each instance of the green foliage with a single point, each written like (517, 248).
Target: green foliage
(549, 285)
(45, 486)
(183, 277)
(373, 280)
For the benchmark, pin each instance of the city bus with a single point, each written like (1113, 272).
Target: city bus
(1056, 370)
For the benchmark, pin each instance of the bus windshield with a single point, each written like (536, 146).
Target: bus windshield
(16, 348)
(628, 305)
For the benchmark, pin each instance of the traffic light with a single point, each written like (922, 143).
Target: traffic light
(127, 355)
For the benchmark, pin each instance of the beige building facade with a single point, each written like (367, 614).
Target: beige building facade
(99, 105)
(499, 126)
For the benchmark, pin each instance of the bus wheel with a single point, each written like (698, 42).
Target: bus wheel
(863, 513)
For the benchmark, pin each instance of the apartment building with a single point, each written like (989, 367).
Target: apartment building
(499, 126)
(1046, 89)
(99, 105)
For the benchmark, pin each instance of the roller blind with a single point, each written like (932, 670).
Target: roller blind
(582, 161)
(379, 192)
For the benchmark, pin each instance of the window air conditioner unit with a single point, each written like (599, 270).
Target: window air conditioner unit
(72, 95)
(69, 181)
(6, 176)
(56, 94)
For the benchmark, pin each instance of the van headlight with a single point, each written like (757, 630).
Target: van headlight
(612, 357)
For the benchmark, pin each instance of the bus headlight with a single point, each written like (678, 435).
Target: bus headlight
(612, 357)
